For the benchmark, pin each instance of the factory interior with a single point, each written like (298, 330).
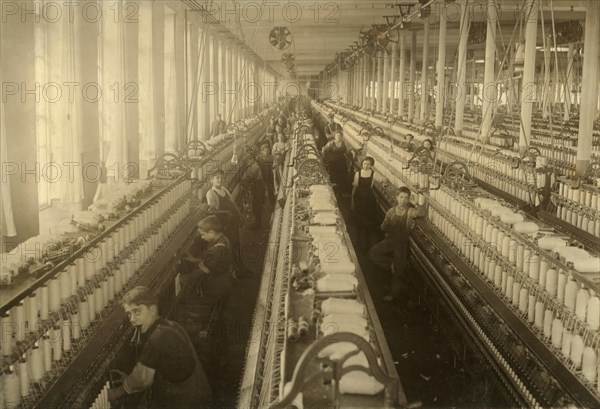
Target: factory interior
(300, 204)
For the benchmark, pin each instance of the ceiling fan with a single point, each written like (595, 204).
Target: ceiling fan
(280, 38)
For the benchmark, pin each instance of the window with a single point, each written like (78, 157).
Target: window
(170, 83)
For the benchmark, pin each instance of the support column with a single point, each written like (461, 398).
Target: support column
(569, 83)
(364, 83)
(379, 101)
(393, 79)
(527, 96)
(386, 80)
(489, 81)
(546, 84)
(401, 75)
(589, 96)
(372, 82)
(424, 73)
(412, 76)
(441, 71)
(461, 74)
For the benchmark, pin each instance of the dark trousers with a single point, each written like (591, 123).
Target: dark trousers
(389, 251)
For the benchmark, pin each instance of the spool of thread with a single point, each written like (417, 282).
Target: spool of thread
(303, 325)
(56, 338)
(32, 313)
(66, 335)
(64, 282)
(526, 260)
(562, 283)
(539, 315)
(523, 298)
(54, 294)
(512, 251)
(22, 370)
(534, 267)
(44, 302)
(510, 280)
(516, 292)
(72, 272)
(6, 334)
(552, 282)
(105, 292)
(292, 330)
(89, 260)
(557, 332)
(590, 364)
(531, 308)
(566, 342)
(99, 294)
(12, 389)
(91, 297)
(36, 364)
(80, 268)
(111, 285)
(571, 289)
(84, 313)
(20, 321)
(498, 277)
(75, 325)
(548, 318)
(504, 285)
(47, 352)
(593, 312)
(520, 257)
(577, 347)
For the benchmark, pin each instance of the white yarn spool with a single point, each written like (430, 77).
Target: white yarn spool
(44, 300)
(516, 292)
(520, 257)
(548, 318)
(91, 299)
(577, 350)
(534, 267)
(66, 335)
(64, 282)
(581, 302)
(557, 332)
(571, 289)
(552, 282)
(36, 364)
(54, 294)
(22, 370)
(32, 312)
(593, 312)
(589, 365)
(498, 277)
(84, 314)
(510, 280)
(20, 321)
(531, 308)
(523, 297)
(56, 338)
(75, 325)
(566, 342)
(47, 352)
(539, 315)
(12, 389)
(562, 283)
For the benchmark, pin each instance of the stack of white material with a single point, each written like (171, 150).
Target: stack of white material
(348, 316)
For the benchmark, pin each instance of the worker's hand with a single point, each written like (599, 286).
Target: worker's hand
(117, 376)
(114, 394)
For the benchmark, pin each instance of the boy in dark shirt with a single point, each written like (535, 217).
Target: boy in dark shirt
(213, 263)
(168, 366)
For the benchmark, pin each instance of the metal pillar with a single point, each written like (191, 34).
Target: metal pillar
(489, 80)
(461, 94)
(589, 90)
(401, 76)
(441, 71)
(424, 73)
(412, 76)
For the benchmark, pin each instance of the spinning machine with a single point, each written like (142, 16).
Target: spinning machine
(63, 329)
(522, 289)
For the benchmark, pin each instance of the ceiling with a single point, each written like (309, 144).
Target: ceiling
(320, 29)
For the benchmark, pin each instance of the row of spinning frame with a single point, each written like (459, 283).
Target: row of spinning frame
(317, 339)
(525, 294)
(63, 328)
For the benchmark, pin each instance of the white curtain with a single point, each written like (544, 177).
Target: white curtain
(146, 101)
(7, 223)
(170, 83)
(58, 121)
(111, 77)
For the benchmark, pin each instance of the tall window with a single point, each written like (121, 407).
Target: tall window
(170, 83)
(41, 108)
